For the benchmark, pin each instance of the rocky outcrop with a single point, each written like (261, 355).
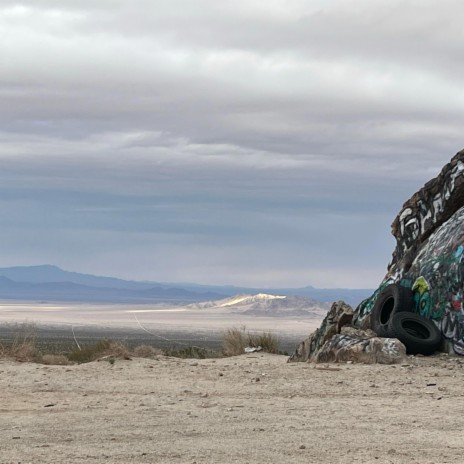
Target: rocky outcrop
(340, 314)
(426, 211)
(429, 255)
(337, 341)
(428, 259)
(361, 347)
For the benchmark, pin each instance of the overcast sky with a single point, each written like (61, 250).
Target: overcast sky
(257, 143)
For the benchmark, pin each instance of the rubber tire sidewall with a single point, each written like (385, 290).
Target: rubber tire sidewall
(403, 302)
(414, 344)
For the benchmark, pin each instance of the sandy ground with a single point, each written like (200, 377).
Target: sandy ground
(246, 409)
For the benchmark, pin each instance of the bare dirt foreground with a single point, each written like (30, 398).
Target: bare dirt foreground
(246, 409)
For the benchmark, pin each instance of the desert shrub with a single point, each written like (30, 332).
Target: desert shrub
(267, 341)
(100, 349)
(89, 353)
(146, 351)
(25, 352)
(23, 347)
(237, 339)
(192, 352)
(55, 360)
(118, 350)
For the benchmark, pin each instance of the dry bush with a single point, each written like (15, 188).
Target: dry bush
(267, 341)
(90, 352)
(195, 352)
(101, 349)
(146, 351)
(55, 360)
(25, 352)
(237, 339)
(23, 346)
(118, 350)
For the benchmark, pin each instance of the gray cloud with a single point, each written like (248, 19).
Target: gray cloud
(243, 142)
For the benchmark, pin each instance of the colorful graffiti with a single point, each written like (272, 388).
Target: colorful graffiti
(436, 277)
(429, 254)
(422, 301)
(365, 307)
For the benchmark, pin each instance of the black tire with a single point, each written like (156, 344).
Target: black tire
(418, 334)
(391, 300)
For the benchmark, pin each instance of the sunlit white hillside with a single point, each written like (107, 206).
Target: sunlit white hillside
(263, 304)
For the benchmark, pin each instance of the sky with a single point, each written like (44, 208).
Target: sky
(255, 143)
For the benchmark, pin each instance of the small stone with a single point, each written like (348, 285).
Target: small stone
(302, 447)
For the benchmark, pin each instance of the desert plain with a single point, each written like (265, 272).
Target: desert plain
(252, 408)
(246, 409)
(161, 325)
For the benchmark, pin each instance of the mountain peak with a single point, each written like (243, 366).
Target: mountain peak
(248, 299)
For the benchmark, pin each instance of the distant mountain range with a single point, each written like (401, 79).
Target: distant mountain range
(54, 284)
(50, 283)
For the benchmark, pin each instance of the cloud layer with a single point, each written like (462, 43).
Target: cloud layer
(254, 143)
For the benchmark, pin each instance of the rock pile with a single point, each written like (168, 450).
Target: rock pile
(337, 340)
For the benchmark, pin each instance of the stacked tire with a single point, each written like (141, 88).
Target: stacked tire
(392, 317)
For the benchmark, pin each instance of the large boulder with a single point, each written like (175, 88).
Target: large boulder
(429, 255)
(361, 347)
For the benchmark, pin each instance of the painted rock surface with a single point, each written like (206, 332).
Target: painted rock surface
(429, 255)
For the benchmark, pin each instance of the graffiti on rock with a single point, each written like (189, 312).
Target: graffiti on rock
(452, 328)
(358, 348)
(365, 307)
(426, 209)
(440, 264)
(423, 304)
(436, 277)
